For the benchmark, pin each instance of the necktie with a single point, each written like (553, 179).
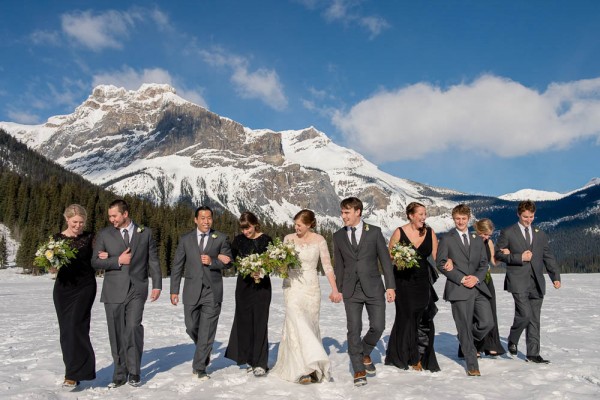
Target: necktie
(126, 237)
(353, 238)
(465, 241)
(527, 236)
(201, 243)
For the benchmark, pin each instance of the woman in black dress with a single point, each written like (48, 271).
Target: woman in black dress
(490, 344)
(248, 342)
(413, 333)
(74, 294)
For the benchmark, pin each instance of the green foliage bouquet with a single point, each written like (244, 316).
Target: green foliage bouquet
(280, 257)
(253, 263)
(54, 254)
(405, 256)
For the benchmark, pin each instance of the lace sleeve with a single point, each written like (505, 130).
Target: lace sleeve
(325, 257)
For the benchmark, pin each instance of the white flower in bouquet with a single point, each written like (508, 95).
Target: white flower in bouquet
(254, 263)
(280, 257)
(405, 256)
(54, 254)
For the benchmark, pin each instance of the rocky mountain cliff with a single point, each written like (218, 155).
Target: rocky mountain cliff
(153, 143)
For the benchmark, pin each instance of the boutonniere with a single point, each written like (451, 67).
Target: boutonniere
(366, 227)
(140, 229)
(473, 235)
(536, 230)
(214, 236)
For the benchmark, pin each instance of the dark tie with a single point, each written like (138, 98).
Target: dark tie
(201, 243)
(465, 241)
(126, 237)
(353, 238)
(527, 236)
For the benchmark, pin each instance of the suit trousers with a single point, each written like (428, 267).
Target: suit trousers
(474, 319)
(126, 334)
(528, 310)
(201, 321)
(375, 306)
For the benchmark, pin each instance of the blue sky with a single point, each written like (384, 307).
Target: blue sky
(480, 96)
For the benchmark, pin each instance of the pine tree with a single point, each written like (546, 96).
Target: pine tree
(3, 252)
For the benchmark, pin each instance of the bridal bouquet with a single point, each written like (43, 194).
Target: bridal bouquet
(280, 257)
(54, 254)
(405, 256)
(251, 264)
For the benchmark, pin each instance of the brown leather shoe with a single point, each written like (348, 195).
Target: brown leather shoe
(360, 378)
(70, 384)
(417, 366)
(369, 366)
(473, 372)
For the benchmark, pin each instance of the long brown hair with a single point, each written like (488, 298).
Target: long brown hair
(411, 208)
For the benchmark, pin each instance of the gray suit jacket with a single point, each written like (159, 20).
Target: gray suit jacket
(473, 262)
(518, 272)
(351, 266)
(117, 278)
(188, 256)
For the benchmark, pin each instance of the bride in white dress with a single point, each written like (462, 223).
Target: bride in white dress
(301, 357)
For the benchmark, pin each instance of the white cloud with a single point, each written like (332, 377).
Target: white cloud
(348, 12)
(99, 31)
(132, 79)
(262, 84)
(490, 115)
(45, 37)
(23, 117)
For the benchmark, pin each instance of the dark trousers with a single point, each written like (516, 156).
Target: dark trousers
(201, 321)
(126, 334)
(473, 318)
(357, 347)
(528, 309)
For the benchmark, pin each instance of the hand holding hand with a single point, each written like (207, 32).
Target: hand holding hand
(206, 260)
(505, 251)
(335, 296)
(470, 281)
(526, 256)
(103, 255)
(125, 257)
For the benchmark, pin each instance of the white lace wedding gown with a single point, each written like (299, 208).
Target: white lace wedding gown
(301, 350)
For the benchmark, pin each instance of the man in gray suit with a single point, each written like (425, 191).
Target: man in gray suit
(471, 308)
(526, 252)
(357, 249)
(204, 253)
(126, 252)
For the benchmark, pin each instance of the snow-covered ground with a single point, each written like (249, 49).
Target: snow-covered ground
(31, 363)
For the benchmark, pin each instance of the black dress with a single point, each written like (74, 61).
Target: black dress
(248, 342)
(74, 294)
(491, 341)
(413, 333)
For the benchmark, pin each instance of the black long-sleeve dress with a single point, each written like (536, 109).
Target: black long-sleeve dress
(74, 294)
(491, 341)
(248, 342)
(413, 332)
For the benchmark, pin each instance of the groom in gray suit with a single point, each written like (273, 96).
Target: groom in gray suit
(471, 308)
(526, 252)
(201, 256)
(126, 252)
(358, 247)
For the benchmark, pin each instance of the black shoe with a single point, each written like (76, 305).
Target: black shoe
(134, 380)
(537, 360)
(201, 375)
(117, 383)
(512, 348)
